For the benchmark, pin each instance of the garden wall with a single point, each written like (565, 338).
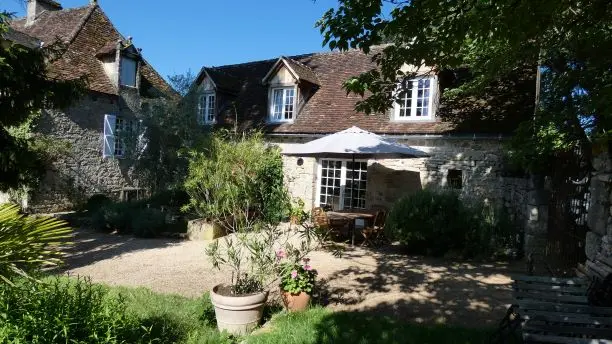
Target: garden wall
(599, 237)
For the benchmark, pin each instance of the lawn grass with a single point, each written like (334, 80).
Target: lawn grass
(319, 325)
(178, 319)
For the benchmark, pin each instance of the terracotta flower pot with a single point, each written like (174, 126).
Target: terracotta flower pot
(238, 315)
(295, 302)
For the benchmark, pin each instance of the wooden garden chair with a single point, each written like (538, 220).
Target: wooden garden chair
(374, 233)
(323, 222)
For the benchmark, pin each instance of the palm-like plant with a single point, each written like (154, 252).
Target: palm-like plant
(28, 243)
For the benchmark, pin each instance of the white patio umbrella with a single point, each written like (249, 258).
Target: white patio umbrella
(354, 142)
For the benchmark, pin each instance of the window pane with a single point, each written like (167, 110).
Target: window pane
(128, 72)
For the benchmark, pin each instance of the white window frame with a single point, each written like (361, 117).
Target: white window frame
(205, 109)
(284, 100)
(433, 88)
(343, 179)
(123, 72)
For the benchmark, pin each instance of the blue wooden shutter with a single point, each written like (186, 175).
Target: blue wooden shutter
(108, 150)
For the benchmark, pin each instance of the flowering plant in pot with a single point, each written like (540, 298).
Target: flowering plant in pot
(297, 280)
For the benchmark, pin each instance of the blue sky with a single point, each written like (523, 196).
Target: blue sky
(179, 35)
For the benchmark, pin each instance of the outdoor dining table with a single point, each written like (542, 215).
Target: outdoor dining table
(351, 216)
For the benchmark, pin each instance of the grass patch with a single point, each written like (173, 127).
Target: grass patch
(166, 318)
(319, 325)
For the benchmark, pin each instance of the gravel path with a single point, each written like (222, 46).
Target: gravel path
(417, 289)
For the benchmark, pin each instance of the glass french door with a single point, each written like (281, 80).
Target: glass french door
(336, 187)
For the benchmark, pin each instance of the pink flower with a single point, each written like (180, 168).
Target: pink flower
(294, 274)
(280, 254)
(307, 267)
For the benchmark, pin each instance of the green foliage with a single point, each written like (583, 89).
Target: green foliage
(63, 310)
(438, 221)
(28, 243)
(171, 131)
(148, 222)
(60, 311)
(97, 201)
(26, 89)
(569, 42)
(237, 180)
(297, 212)
(297, 277)
(114, 217)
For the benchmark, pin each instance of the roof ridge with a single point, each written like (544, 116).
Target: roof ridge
(293, 57)
(55, 11)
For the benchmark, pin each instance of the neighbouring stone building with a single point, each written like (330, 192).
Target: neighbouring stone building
(93, 129)
(300, 98)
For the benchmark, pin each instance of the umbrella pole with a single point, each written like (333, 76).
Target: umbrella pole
(352, 200)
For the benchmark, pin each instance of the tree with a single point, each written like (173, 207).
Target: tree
(567, 42)
(26, 88)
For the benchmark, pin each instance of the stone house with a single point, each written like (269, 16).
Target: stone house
(94, 128)
(299, 98)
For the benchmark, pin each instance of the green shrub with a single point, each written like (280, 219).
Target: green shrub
(28, 243)
(113, 216)
(148, 222)
(96, 202)
(65, 311)
(429, 221)
(237, 180)
(168, 198)
(435, 222)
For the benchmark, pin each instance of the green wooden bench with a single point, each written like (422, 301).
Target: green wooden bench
(556, 310)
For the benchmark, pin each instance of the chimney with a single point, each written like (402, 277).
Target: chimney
(36, 7)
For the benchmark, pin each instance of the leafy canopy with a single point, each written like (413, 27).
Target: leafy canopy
(25, 89)
(569, 40)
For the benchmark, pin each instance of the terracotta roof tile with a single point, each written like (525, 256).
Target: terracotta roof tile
(87, 31)
(303, 72)
(329, 109)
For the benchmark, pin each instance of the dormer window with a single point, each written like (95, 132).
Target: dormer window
(206, 108)
(129, 69)
(282, 104)
(415, 100)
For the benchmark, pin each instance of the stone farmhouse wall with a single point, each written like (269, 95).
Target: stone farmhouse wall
(82, 171)
(479, 160)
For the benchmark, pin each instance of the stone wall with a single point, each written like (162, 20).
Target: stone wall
(479, 160)
(599, 237)
(82, 171)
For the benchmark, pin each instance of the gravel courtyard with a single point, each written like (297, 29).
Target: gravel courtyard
(417, 289)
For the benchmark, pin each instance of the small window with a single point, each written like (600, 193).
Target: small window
(206, 108)
(282, 105)
(128, 71)
(415, 99)
(454, 179)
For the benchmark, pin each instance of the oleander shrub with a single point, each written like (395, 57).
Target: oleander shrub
(436, 221)
(148, 222)
(237, 180)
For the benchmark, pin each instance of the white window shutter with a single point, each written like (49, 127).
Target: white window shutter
(143, 141)
(108, 150)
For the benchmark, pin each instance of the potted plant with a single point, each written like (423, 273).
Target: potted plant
(237, 183)
(297, 215)
(296, 283)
